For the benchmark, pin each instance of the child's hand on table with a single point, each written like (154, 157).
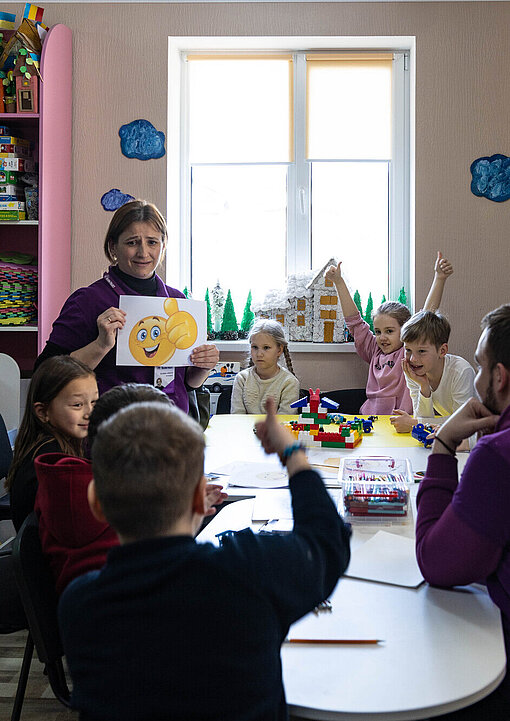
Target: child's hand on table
(402, 422)
(214, 496)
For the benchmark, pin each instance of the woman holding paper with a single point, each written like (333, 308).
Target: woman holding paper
(88, 323)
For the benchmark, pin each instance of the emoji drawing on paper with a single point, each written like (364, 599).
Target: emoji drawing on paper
(153, 340)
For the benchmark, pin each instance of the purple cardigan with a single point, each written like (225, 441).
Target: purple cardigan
(76, 327)
(386, 384)
(463, 529)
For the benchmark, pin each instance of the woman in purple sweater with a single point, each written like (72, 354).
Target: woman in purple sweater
(87, 326)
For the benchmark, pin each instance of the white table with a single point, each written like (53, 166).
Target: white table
(442, 650)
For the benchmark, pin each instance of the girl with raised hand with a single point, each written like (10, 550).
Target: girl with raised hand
(383, 350)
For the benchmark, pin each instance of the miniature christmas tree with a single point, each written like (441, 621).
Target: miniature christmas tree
(186, 291)
(210, 330)
(248, 317)
(229, 322)
(368, 312)
(357, 302)
(383, 299)
(218, 302)
(402, 298)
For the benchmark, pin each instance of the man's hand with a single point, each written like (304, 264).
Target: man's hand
(402, 422)
(472, 417)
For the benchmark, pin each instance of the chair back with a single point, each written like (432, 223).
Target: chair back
(9, 390)
(5, 464)
(37, 590)
(350, 400)
(224, 399)
(5, 449)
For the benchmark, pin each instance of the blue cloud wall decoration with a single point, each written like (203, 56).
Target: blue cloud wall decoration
(114, 199)
(140, 139)
(491, 177)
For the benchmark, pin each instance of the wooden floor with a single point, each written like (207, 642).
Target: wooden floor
(39, 704)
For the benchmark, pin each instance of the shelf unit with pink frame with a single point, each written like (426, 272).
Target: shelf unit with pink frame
(49, 238)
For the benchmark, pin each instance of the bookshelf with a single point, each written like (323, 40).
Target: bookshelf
(49, 238)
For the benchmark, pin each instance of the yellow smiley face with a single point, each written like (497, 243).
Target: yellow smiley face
(148, 342)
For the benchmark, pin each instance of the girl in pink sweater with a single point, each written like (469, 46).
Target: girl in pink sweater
(383, 350)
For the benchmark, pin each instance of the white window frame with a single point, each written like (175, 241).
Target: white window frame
(401, 231)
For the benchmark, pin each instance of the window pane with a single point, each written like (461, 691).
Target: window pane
(238, 231)
(349, 109)
(350, 222)
(239, 111)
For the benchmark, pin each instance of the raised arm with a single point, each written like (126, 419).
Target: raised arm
(334, 274)
(442, 270)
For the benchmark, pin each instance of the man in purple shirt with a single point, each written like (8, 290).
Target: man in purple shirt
(463, 528)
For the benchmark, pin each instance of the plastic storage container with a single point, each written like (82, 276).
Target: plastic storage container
(375, 486)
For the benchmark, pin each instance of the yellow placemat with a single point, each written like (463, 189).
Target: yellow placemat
(239, 428)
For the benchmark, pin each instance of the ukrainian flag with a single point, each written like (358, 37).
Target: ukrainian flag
(7, 21)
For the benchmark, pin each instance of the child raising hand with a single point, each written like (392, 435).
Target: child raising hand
(383, 350)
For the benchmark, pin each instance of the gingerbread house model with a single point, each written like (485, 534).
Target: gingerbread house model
(308, 308)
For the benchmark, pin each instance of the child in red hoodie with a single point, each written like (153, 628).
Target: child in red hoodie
(74, 541)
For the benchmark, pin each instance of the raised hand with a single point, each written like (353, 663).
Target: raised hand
(334, 273)
(442, 268)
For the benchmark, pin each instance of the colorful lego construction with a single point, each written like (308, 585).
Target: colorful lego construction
(319, 426)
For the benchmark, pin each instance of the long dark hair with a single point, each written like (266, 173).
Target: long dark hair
(50, 378)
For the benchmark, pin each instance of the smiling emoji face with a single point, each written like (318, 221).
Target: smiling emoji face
(148, 342)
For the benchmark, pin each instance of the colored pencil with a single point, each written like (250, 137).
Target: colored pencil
(337, 641)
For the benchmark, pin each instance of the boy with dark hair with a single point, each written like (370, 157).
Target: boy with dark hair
(462, 529)
(174, 629)
(438, 382)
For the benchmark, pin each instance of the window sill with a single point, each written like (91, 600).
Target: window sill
(241, 346)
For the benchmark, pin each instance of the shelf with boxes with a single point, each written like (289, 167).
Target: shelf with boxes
(35, 249)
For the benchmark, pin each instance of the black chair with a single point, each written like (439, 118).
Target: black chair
(37, 590)
(349, 400)
(12, 619)
(224, 399)
(5, 463)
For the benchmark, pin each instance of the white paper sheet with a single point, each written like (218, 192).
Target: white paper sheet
(276, 503)
(245, 474)
(386, 558)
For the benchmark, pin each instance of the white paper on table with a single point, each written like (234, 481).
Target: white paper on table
(386, 558)
(276, 503)
(144, 339)
(244, 474)
(334, 624)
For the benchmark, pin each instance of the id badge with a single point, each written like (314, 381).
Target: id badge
(163, 377)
